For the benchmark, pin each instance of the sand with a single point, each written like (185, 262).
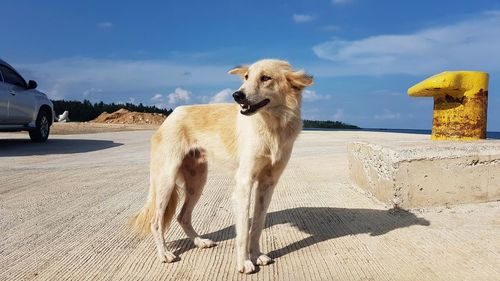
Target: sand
(123, 116)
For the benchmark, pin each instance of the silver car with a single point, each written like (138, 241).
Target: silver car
(22, 107)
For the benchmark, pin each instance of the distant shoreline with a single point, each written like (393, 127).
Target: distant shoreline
(327, 124)
(489, 135)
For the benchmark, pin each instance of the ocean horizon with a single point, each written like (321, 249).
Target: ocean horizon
(489, 135)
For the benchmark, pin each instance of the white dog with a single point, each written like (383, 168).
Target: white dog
(254, 139)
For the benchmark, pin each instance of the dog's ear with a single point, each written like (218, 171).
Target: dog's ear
(299, 79)
(240, 70)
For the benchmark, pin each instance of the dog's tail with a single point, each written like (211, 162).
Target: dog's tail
(141, 222)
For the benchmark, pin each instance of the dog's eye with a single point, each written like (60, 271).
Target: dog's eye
(246, 76)
(265, 78)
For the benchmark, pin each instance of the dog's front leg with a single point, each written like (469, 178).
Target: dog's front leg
(263, 196)
(241, 206)
(267, 180)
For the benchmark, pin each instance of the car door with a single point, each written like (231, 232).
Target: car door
(4, 102)
(21, 100)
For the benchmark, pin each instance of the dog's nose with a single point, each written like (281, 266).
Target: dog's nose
(239, 96)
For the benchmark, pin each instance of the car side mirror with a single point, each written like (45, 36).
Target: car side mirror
(32, 84)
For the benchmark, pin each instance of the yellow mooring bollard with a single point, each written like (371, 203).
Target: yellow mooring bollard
(460, 104)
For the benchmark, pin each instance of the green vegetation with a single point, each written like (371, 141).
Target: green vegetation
(86, 111)
(328, 125)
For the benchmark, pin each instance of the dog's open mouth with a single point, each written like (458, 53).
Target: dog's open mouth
(249, 109)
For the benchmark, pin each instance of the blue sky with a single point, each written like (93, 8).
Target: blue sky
(364, 54)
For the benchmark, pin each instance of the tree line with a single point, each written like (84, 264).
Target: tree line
(86, 111)
(328, 124)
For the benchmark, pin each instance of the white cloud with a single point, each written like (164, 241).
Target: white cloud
(88, 93)
(339, 2)
(339, 114)
(105, 25)
(54, 91)
(388, 115)
(72, 77)
(309, 95)
(179, 95)
(312, 113)
(301, 18)
(223, 96)
(157, 98)
(469, 44)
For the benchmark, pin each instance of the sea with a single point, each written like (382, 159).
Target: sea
(489, 135)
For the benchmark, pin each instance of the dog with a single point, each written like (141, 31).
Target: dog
(252, 138)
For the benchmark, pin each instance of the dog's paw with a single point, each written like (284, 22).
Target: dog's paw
(247, 267)
(204, 243)
(263, 260)
(168, 257)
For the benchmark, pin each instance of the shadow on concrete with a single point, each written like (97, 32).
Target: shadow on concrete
(321, 224)
(25, 147)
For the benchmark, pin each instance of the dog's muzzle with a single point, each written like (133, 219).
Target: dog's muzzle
(247, 108)
(239, 96)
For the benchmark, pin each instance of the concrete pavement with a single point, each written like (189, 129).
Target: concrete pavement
(64, 207)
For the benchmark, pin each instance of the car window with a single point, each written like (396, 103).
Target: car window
(11, 77)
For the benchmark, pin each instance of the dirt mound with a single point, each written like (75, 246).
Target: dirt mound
(123, 116)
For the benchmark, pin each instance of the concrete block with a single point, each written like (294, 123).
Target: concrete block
(426, 173)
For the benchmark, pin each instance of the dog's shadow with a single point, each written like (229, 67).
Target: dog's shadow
(321, 224)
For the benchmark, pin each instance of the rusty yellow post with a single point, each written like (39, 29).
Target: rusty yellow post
(460, 104)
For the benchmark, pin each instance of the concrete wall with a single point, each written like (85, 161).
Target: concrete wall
(426, 173)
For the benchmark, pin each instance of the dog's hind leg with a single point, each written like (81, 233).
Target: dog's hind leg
(165, 203)
(194, 171)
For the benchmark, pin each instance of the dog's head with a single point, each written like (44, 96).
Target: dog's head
(269, 84)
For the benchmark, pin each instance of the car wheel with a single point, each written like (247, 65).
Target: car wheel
(41, 132)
